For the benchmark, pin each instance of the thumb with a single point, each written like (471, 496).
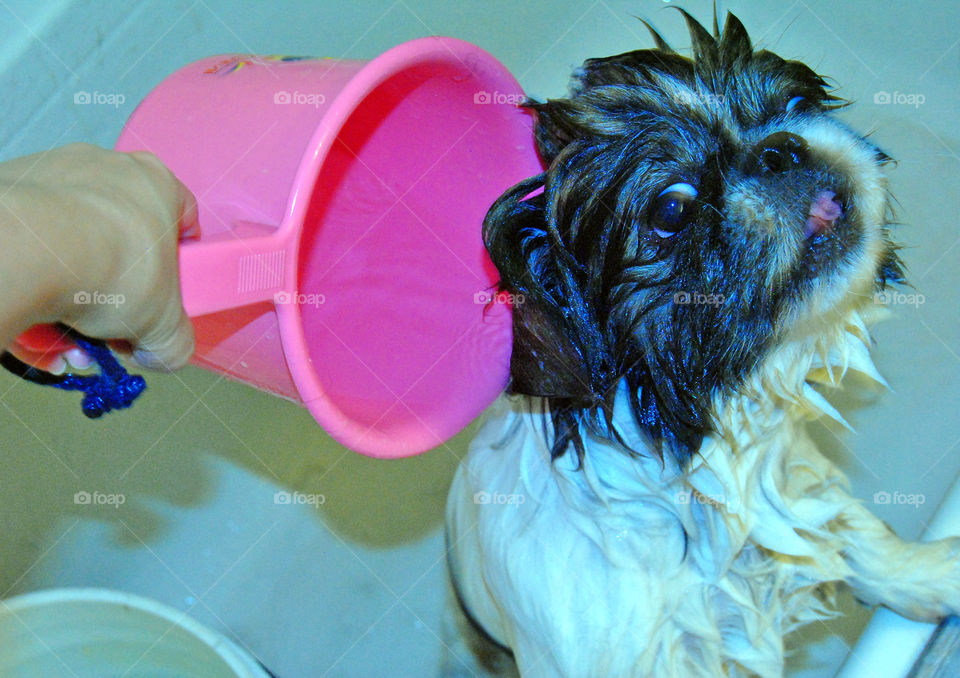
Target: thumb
(168, 348)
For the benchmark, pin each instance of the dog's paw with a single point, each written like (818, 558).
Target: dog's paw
(923, 582)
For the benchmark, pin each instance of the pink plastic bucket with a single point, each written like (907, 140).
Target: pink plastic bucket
(341, 262)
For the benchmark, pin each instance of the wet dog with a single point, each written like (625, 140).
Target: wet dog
(702, 250)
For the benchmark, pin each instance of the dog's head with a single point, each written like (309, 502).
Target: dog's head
(695, 213)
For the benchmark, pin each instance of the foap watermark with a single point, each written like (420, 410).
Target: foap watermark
(84, 98)
(884, 98)
(895, 298)
(484, 97)
(97, 298)
(298, 98)
(300, 299)
(285, 498)
(897, 498)
(694, 497)
(485, 297)
(498, 499)
(697, 299)
(84, 498)
(698, 100)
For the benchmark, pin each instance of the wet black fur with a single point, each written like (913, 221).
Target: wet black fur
(597, 285)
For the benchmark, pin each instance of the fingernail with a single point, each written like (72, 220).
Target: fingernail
(150, 360)
(77, 358)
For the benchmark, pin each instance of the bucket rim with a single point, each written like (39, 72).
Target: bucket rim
(361, 438)
(237, 660)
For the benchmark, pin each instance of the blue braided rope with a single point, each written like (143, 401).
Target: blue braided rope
(112, 389)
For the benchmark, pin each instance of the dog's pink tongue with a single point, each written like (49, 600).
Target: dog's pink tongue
(824, 211)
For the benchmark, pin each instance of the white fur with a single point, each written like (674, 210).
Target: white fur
(590, 574)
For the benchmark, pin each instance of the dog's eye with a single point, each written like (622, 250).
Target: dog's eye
(799, 103)
(671, 209)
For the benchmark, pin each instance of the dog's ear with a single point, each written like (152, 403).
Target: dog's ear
(560, 122)
(735, 43)
(549, 314)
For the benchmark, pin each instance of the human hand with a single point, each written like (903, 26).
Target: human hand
(91, 241)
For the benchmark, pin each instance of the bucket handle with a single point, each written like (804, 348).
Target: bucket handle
(227, 270)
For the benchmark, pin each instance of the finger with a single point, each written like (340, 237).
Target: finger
(45, 338)
(170, 350)
(43, 347)
(189, 227)
(189, 223)
(47, 361)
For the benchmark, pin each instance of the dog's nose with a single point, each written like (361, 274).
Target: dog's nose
(777, 153)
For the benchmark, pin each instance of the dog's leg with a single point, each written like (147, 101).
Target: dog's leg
(917, 580)
(468, 651)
